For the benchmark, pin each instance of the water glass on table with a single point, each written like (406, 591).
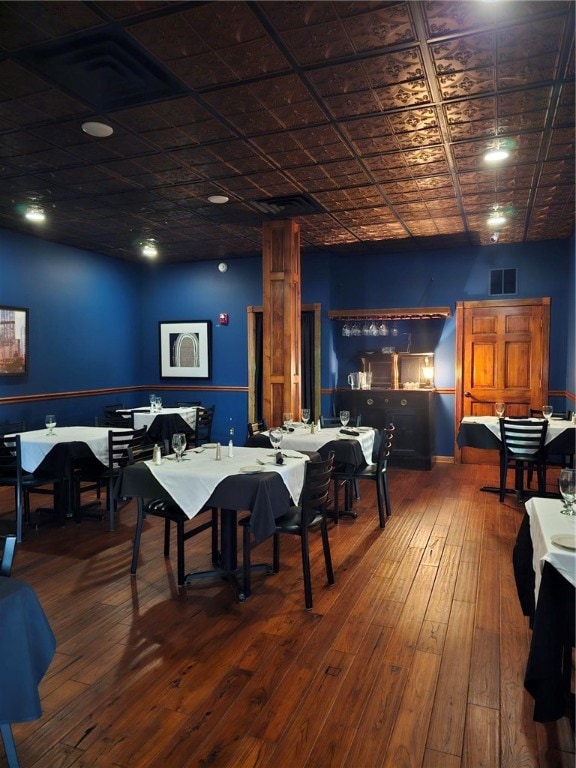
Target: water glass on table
(50, 423)
(344, 418)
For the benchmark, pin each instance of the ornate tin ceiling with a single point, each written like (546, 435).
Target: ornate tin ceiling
(366, 121)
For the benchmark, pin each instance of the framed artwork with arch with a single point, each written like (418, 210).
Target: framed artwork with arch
(185, 349)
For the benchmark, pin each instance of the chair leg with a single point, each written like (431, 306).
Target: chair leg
(276, 553)
(9, 745)
(306, 569)
(246, 563)
(215, 553)
(327, 555)
(386, 494)
(137, 535)
(336, 502)
(503, 474)
(180, 552)
(380, 497)
(166, 537)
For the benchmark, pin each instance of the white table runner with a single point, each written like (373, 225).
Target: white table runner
(191, 482)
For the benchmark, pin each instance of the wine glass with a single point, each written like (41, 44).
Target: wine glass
(567, 485)
(547, 412)
(178, 444)
(50, 423)
(287, 418)
(276, 438)
(344, 417)
(305, 415)
(499, 408)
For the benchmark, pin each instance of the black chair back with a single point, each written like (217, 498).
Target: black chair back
(316, 489)
(203, 431)
(256, 428)
(522, 439)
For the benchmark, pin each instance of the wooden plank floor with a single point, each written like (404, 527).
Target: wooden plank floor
(414, 658)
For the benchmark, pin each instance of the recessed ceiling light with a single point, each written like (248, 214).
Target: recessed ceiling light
(35, 213)
(496, 220)
(218, 199)
(149, 249)
(496, 155)
(99, 130)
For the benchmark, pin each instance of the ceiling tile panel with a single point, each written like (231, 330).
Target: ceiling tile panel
(379, 112)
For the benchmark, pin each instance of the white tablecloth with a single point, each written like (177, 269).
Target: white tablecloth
(546, 520)
(36, 444)
(143, 418)
(303, 440)
(555, 427)
(191, 482)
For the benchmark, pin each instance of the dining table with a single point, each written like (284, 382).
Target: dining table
(353, 448)
(60, 451)
(544, 560)
(27, 646)
(161, 425)
(250, 480)
(484, 432)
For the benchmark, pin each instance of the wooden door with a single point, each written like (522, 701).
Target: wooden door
(502, 355)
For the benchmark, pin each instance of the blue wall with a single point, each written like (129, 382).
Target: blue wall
(94, 320)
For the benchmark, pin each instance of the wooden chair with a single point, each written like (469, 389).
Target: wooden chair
(256, 428)
(376, 472)
(12, 474)
(171, 513)
(92, 472)
(308, 515)
(203, 431)
(523, 447)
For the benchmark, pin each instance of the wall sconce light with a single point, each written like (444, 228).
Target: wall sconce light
(428, 373)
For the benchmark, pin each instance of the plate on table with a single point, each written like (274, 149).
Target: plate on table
(251, 470)
(564, 540)
(558, 418)
(208, 445)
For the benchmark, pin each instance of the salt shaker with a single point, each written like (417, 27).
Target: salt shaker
(218, 452)
(157, 455)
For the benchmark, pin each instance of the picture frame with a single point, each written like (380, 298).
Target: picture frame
(13, 341)
(185, 349)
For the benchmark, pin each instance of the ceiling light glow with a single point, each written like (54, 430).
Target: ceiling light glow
(496, 219)
(496, 155)
(35, 214)
(218, 199)
(149, 249)
(99, 130)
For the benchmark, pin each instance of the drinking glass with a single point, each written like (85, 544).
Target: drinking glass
(178, 444)
(50, 423)
(287, 419)
(567, 485)
(346, 330)
(276, 438)
(305, 415)
(499, 408)
(344, 417)
(547, 412)
(152, 403)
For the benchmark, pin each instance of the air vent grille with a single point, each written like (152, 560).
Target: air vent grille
(286, 206)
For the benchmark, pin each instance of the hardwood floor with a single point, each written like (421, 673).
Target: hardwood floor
(414, 658)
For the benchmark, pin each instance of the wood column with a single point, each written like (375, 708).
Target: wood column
(281, 319)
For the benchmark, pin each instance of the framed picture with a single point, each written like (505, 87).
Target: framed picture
(13, 341)
(185, 349)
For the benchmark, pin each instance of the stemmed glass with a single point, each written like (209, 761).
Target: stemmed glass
(567, 485)
(50, 423)
(288, 418)
(547, 412)
(276, 438)
(344, 417)
(178, 444)
(305, 415)
(499, 408)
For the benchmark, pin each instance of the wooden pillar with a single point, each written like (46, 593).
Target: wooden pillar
(281, 319)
